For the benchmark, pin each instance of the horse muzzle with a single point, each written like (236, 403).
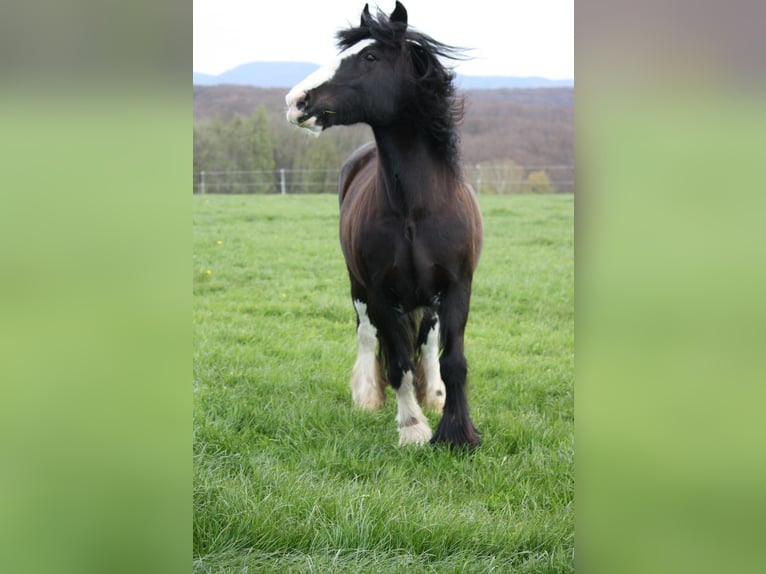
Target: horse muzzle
(299, 113)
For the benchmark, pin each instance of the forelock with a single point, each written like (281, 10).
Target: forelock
(393, 34)
(381, 29)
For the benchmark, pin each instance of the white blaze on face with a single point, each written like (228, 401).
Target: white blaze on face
(313, 80)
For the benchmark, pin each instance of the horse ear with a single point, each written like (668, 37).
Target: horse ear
(365, 17)
(399, 14)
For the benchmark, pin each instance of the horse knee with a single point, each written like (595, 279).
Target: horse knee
(454, 369)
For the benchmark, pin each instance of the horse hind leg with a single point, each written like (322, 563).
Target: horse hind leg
(367, 382)
(431, 392)
(413, 425)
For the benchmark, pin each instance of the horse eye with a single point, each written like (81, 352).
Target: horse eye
(370, 57)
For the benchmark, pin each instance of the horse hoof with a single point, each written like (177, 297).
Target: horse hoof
(435, 401)
(454, 435)
(370, 402)
(367, 391)
(418, 433)
(468, 444)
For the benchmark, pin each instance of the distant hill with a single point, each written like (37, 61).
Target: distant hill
(287, 74)
(502, 82)
(259, 74)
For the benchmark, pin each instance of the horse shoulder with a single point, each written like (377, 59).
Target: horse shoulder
(357, 161)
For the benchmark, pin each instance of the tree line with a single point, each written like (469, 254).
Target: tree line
(246, 154)
(243, 144)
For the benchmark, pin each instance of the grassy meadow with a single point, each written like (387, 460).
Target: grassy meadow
(290, 477)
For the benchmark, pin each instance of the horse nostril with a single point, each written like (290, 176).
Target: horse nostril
(303, 103)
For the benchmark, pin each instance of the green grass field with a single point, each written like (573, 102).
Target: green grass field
(290, 477)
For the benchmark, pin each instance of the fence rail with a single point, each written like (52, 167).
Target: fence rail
(488, 179)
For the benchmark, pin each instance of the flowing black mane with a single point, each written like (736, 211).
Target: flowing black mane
(436, 109)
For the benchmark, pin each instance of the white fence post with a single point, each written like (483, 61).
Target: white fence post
(282, 181)
(478, 178)
(202, 182)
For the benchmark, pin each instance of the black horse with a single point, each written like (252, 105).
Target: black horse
(410, 227)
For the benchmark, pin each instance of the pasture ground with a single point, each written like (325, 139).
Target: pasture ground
(290, 477)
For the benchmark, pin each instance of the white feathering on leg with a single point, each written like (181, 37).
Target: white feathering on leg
(366, 383)
(434, 394)
(413, 425)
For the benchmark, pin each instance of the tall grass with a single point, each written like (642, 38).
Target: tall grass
(290, 477)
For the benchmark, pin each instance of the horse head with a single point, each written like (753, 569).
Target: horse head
(373, 80)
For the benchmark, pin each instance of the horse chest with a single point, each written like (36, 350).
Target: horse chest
(397, 259)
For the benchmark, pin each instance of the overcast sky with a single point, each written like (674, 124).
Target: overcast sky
(507, 37)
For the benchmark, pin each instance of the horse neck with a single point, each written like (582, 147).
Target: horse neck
(412, 173)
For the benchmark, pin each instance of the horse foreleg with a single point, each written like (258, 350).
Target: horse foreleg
(367, 383)
(456, 427)
(395, 346)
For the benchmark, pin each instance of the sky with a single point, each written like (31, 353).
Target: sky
(506, 38)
